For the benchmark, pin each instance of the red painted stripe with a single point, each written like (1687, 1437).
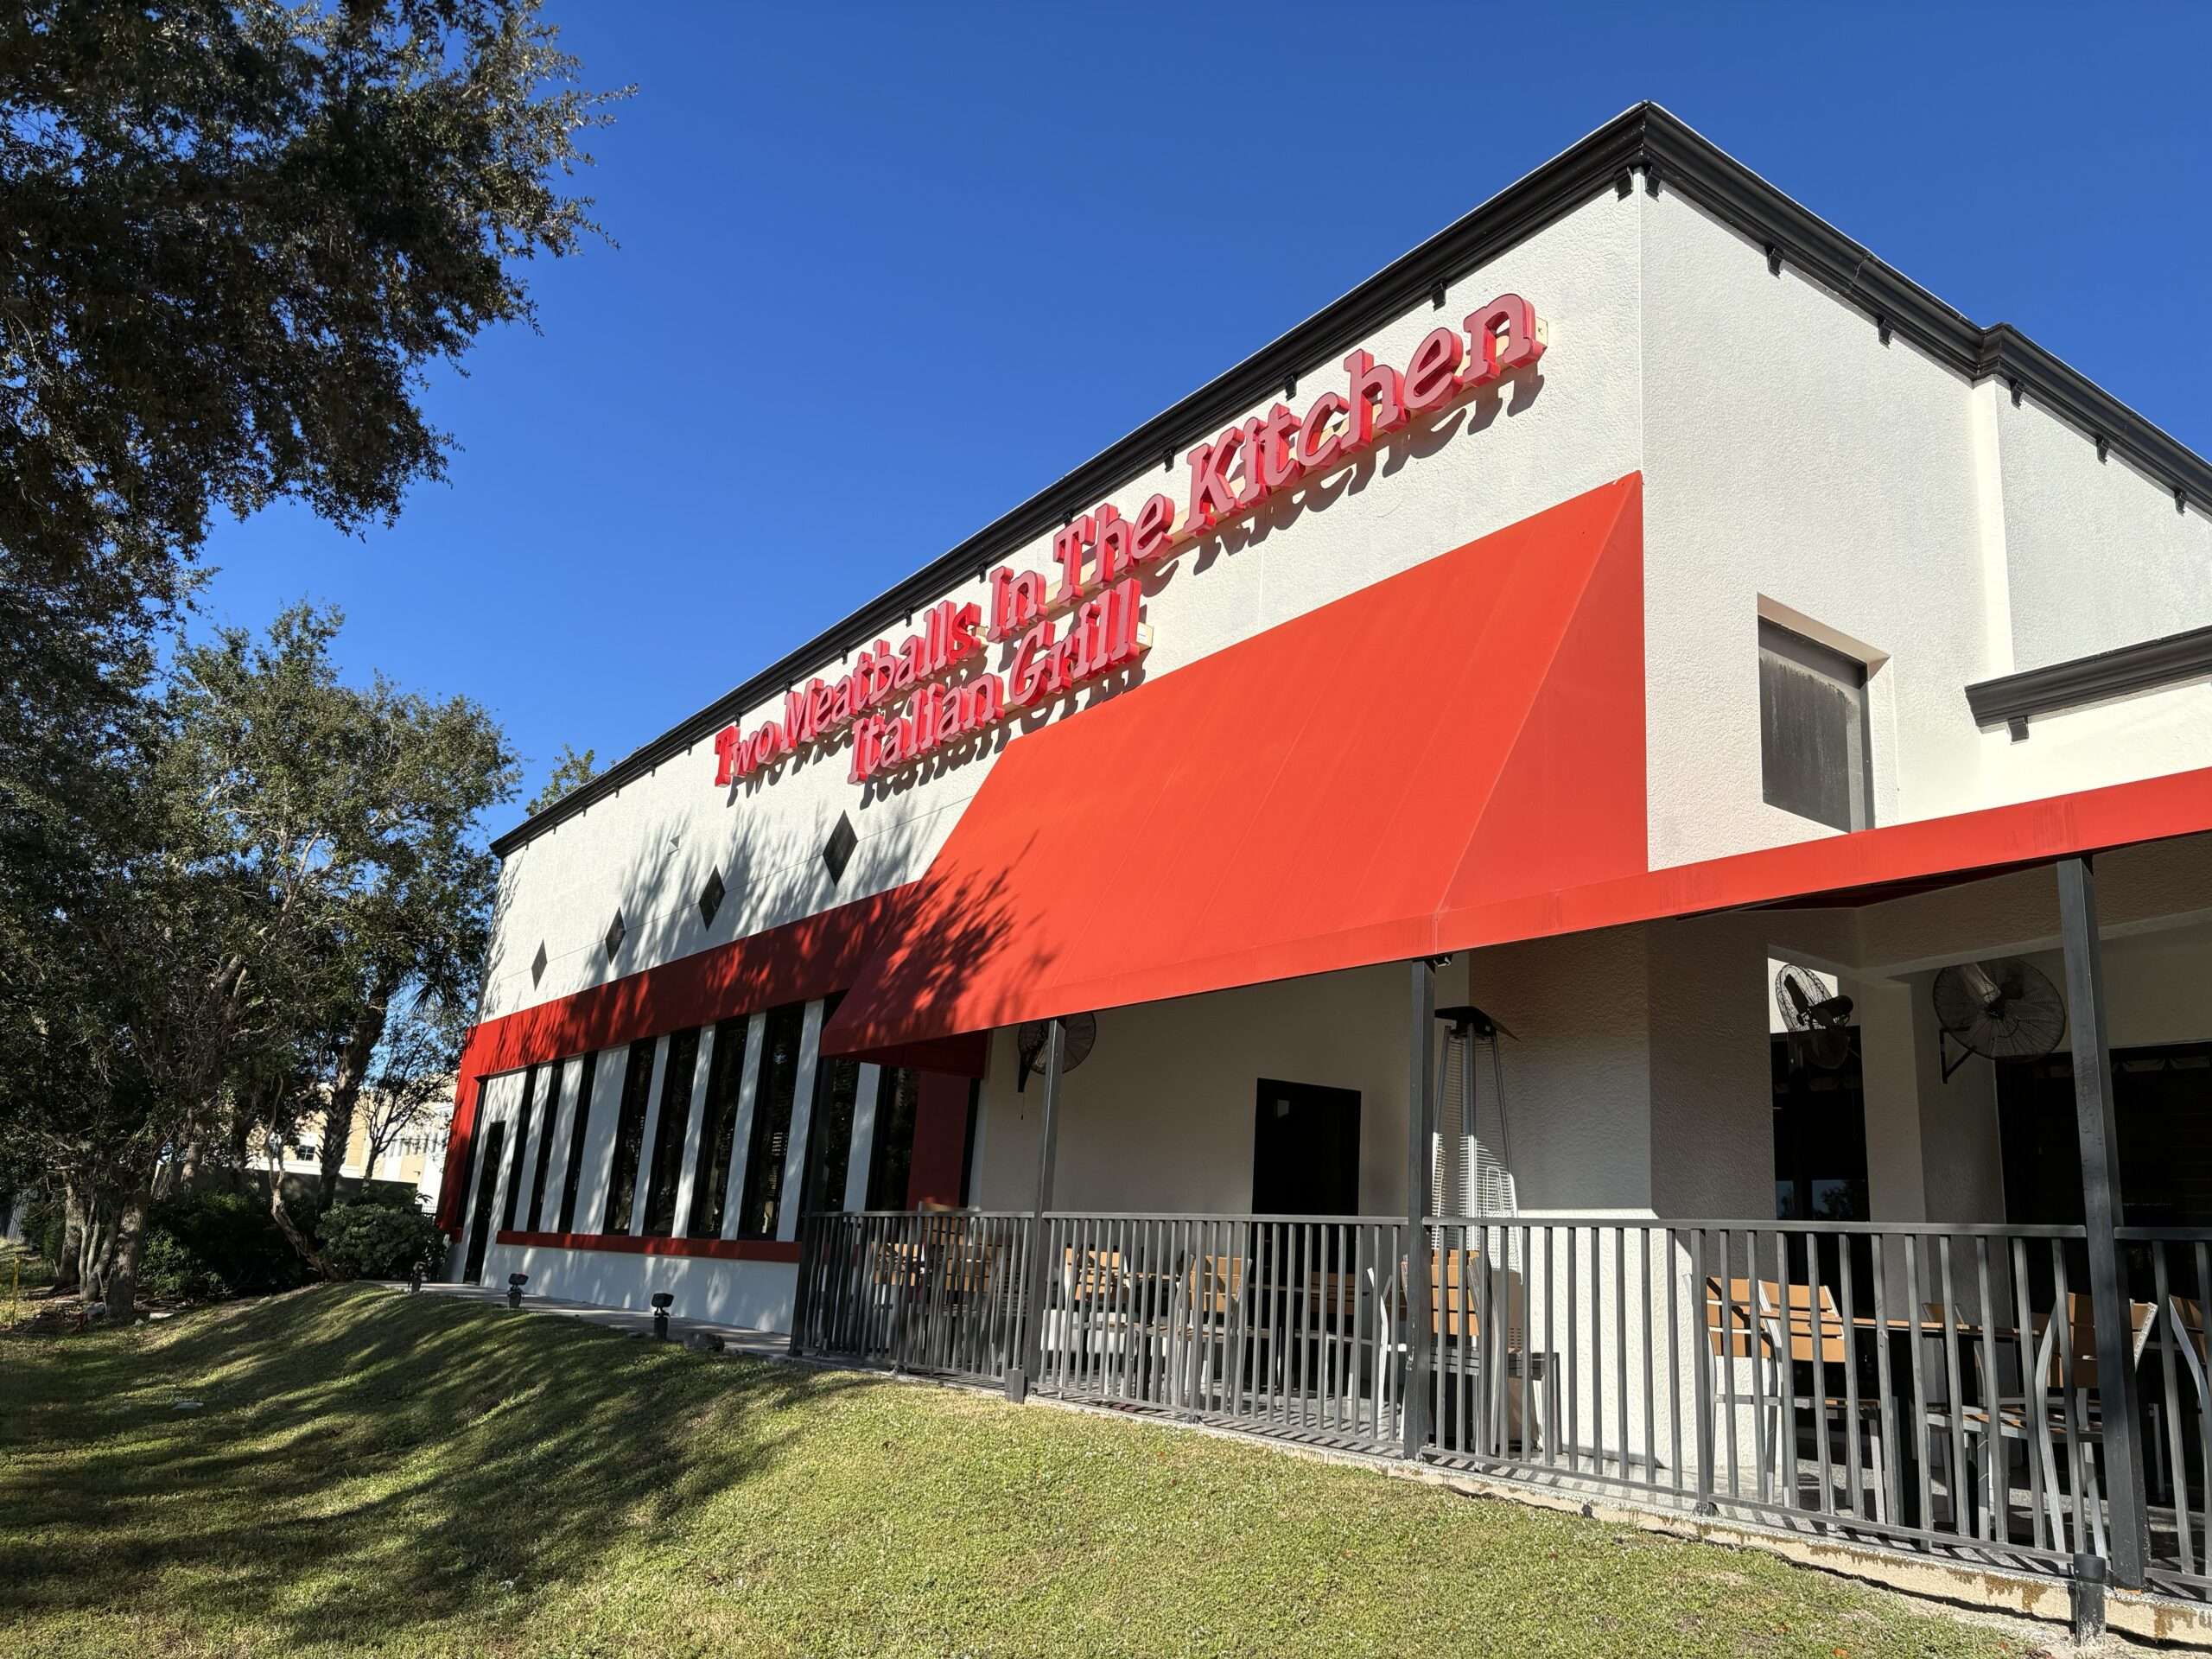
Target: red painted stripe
(721, 1249)
(796, 962)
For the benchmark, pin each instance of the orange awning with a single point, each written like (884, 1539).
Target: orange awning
(1311, 799)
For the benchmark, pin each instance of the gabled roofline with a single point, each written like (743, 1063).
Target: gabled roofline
(1644, 147)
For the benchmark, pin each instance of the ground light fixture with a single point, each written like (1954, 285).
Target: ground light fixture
(515, 1282)
(662, 1301)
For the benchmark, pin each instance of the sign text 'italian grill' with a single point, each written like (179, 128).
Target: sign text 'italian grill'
(905, 703)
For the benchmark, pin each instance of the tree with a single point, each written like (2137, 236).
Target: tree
(238, 234)
(571, 771)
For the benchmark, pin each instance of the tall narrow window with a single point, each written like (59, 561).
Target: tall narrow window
(718, 1129)
(522, 1149)
(1815, 755)
(668, 1137)
(891, 1159)
(771, 1121)
(586, 1075)
(629, 1137)
(830, 1126)
(545, 1145)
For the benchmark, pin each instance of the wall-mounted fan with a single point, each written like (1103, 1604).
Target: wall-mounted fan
(1816, 1020)
(2005, 1009)
(1081, 1038)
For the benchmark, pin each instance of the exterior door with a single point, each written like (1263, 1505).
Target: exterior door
(1305, 1150)
(480, 1220)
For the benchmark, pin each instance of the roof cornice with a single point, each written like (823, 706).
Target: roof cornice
(1644, 147)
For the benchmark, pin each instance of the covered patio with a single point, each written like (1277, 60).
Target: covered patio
(1555, 1195)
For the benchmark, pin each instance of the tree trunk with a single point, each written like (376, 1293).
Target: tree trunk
(98, 1256)
(123, 1276)
(66, 1273)
(290, 1228)
(361, 1040)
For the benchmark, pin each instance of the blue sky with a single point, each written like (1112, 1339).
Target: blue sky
(883, 273)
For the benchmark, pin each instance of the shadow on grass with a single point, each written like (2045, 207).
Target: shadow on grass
(361, 1462)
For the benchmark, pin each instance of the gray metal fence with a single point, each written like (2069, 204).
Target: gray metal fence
(923, 1292)
(1929, 1387)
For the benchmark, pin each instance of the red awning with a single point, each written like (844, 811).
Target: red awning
(1311, 799)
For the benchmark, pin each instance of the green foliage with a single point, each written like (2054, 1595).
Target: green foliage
(379, 1241)
(169, 1272)
(239, 237)
(218, 1244)
(571, 771)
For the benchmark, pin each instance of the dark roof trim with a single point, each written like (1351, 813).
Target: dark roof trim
(2016, 698)
(1645, 140)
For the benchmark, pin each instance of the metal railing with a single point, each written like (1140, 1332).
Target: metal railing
(1267, 1322)
(927, 1292)
(1925, 1387)
(2169, 1272)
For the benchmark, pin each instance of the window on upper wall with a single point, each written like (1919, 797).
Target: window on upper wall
(1815, 755)
(782, 1038)
(718, 1128)
(668, 1137)
(581, 1124)
(629, 1137)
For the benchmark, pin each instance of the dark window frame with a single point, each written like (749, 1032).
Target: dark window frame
(768, 1149)
(629, 1148)
(546, 1144)
(510, 1206)
(727, 1072)
(580, 1128)
(1802, 682)
(665, 1174)
(891, 1147)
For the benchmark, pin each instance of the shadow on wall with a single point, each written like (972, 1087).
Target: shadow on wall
(352, 1425)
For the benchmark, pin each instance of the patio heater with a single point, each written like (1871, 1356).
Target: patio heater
(1473, 1174)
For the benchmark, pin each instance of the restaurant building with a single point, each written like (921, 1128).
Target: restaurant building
(1594, 867)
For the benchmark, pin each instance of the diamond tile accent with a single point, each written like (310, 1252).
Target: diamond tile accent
(537, 964)
(710, 897)
(615, 932)
(837, 851)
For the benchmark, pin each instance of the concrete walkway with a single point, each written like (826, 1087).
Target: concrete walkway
(736, 1338)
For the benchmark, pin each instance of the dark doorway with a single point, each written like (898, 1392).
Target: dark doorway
(1305, 1150)
(479, 1225)
(1820, 1163)
(2162, 1102)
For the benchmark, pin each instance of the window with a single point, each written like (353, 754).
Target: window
(629, 1137)
(545, 1145)
(771, 1120)
(585, 1076)
(891, 1160)
(830, 1126)
(522, 1148)
(668, 1138)
(718, 1128)
(1815, 754)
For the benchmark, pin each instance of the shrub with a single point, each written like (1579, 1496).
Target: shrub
(379, 1241)
(168, 1272)
(228, 1239)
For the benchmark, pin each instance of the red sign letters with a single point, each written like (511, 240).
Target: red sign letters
(904, 704)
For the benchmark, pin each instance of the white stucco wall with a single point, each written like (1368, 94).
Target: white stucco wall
(1796, 462)
(1570, 426)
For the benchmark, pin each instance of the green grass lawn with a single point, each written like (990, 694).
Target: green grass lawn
(372, 1472)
